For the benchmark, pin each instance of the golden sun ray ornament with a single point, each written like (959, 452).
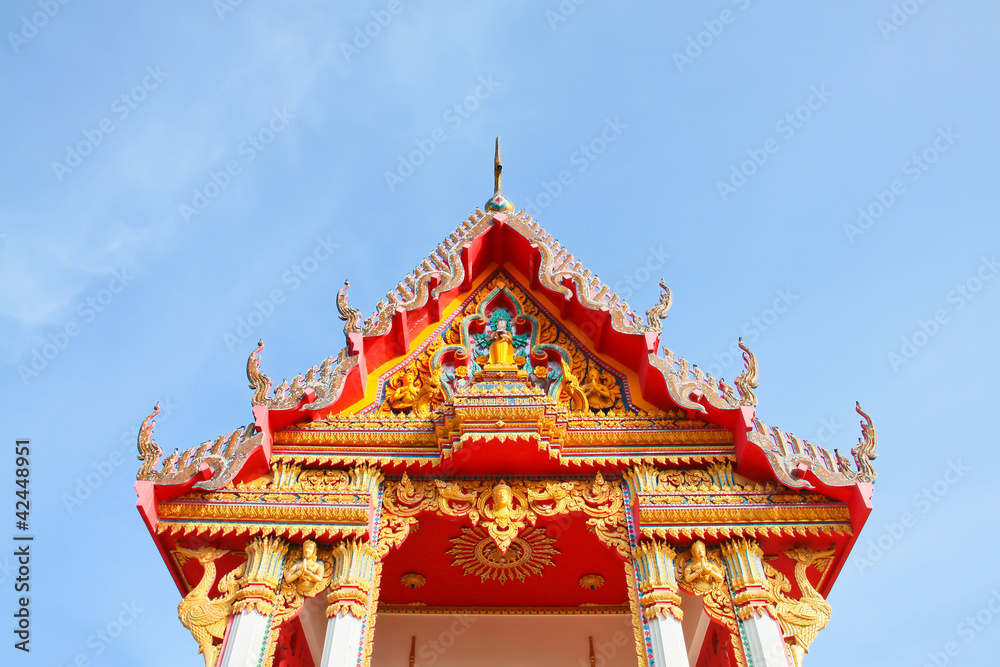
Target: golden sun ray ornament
(477, 554)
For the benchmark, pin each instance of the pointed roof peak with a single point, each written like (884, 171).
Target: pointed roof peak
(498, 202)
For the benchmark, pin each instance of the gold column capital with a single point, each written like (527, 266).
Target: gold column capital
(262, 575)
(654, 567)
(751, 589)
(366, 477)
(353, 579)
(642, 478)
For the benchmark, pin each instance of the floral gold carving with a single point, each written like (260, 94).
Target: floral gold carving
(413, 580)
(477, 553)
(504, 509)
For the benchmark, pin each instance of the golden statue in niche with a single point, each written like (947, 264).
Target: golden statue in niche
(599, 389)
(701, 573)
(307, 574)
(403, 390)
(502, 347)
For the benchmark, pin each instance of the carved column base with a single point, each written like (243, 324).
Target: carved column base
(766, 641)
(343, 641)
(245, 642)
(667, 638)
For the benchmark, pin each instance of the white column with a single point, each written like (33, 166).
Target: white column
(766, 641)
(343, 641)
(754, 604)
(668, 642)
(245, 641)
(351, 594)
(255, 599)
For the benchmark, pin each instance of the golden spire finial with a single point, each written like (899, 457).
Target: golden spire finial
(498, 203)
(497, 168)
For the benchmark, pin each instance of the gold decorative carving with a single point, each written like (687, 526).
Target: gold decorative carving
(477, 553)
(413, 580)
(353, 577)
(591, 581)
(746, 381)
(600, 389)
(206, 618)
(571, 387)
(502, 513)
(369, 642)
(406, 392)
(638, 619)
(306, 574)
(700, 571)
(288, 501)
(686, 503)
(802, 619)
(654, 563)
(504, 516)
(618, 436)
(276, 514)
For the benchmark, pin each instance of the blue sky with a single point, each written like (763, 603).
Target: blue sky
(733, 144)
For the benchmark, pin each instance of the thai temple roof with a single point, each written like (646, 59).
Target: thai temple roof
(342, 411)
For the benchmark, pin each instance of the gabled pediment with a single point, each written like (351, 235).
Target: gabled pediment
(502, 370)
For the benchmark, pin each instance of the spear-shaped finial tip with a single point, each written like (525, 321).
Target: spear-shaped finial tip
(497, 168)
